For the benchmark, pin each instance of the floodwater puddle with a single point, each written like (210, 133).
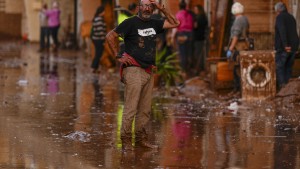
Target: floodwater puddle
(56, 114)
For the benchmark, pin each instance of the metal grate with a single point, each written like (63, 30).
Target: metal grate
(2, 5)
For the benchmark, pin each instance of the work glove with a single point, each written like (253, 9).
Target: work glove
(228, 54)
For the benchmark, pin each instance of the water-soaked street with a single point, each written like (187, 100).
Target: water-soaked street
(56, 114)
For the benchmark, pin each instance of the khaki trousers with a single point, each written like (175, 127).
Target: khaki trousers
(137, 102)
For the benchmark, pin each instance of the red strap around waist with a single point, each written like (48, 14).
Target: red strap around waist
(135, 63)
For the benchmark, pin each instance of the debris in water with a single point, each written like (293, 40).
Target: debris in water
(22, 82)
(79, 136)
(234, 107)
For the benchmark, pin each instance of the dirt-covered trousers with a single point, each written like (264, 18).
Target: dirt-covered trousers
(137, 101)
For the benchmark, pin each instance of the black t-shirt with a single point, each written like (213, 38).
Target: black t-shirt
(140, 38)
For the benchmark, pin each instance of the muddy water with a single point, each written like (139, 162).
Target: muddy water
(56, 114)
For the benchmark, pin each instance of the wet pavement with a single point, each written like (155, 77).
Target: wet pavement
(55, 114)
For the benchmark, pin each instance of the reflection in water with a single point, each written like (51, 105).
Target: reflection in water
(286, 153)
(182, 131)
(226, 134)
(52, 81)
(182, 142)
(48, 70)
(286, 148)
(90, 102)
(191, 133)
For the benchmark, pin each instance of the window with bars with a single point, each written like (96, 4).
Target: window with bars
(2, 5)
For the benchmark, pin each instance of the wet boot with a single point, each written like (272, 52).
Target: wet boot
(127, 144)
(145, 144)
(142, 141)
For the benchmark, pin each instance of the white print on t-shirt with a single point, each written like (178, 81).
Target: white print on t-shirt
(146, 32)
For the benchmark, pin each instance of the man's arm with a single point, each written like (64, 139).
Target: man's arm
(233, 43)
(171, 21)
(112, 40)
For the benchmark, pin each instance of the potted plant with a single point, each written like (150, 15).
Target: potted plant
(167, 68)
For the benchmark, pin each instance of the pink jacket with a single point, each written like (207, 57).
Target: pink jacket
(186, 21)
(53, 17)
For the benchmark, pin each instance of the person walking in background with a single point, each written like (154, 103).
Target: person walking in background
(286, 44)
(139, 34)
(124, 14)
(200, 27)
(44, 32)
(98, 37)
(53, 23)
(238, 34)
(184, 36)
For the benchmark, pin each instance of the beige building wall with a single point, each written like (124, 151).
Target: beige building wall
(14, 6)
(10, 18)
(30, 21)
(30, 17)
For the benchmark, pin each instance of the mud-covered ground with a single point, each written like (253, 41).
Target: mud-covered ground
(54, 113)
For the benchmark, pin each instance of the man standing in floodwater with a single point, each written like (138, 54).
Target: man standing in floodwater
(286, 44)
(139, 34)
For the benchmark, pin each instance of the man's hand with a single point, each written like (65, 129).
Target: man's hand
(171, 21)
(125, 60)
(156, 5)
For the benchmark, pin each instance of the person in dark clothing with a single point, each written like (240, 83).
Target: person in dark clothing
(139, 33)
(44, 30)
(286, 44)
(200, 27)
(98, 37)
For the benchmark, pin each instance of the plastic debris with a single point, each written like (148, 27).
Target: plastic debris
(79, 136)
(234, 107)
(22, 82)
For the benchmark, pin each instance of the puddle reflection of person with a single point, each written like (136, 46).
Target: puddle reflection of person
(182, 132)
(90, 97)
(52, 81)
(48, 69)
(44, 64)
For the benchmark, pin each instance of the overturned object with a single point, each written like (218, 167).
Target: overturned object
(258, 77)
